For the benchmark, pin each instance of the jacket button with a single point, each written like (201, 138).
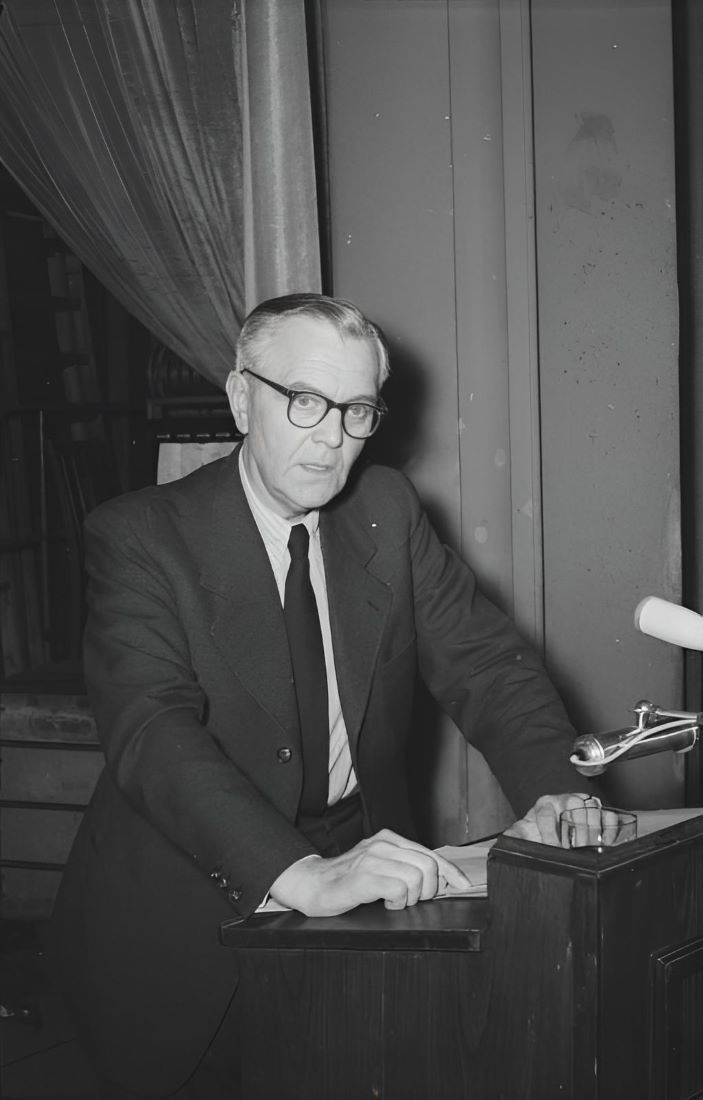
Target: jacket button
(236, 893)
(284, 755)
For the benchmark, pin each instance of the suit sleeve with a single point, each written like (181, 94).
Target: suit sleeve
(487, 678)
(151, 714)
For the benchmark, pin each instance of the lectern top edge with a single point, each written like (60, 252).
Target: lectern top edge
(590, 861)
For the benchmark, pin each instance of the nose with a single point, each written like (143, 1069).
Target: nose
(330, 430)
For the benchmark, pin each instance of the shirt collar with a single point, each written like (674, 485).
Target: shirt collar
(274, 530)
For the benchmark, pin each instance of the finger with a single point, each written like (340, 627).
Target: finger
(401, 842)
(391, 845)
(389, 868)
(433, 867)
(398, 900)
(546, 818)
(577, 835)
(595, 818)
(391, 889)
(576, 801)
(357, 888)
(426, 867)
(454, 877)
(610, 826)
(389, 837)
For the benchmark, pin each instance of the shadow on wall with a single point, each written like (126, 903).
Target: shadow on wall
(401, 438)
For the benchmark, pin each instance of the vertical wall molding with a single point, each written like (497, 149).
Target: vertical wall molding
(521, 292)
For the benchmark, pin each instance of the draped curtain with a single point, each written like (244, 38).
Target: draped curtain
(170, 146)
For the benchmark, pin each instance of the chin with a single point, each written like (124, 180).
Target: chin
(312, 503)
(316, 496)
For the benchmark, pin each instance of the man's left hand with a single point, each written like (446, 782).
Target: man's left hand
(541, 823)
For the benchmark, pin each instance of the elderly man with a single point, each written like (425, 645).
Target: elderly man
(254, 634)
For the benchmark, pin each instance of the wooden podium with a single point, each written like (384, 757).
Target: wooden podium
(579, 977)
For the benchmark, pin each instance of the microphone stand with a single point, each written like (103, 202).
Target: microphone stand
(657, 730)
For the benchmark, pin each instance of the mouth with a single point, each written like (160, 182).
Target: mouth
(317, 467)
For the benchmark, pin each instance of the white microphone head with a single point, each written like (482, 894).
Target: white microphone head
(669, 622)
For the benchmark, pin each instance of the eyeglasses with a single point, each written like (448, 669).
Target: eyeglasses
(360, 419)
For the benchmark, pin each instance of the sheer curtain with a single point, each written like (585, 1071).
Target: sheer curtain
(170, 146)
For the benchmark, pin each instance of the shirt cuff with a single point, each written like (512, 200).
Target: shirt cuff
(268, 905)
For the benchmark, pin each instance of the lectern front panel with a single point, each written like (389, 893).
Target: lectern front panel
(578, 978)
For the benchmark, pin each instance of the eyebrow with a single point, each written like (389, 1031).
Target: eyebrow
(304, 387)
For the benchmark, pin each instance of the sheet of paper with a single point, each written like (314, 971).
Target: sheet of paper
(472, 859)
(650, 821)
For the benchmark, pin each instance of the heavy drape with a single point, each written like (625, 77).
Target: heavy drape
(170, 146)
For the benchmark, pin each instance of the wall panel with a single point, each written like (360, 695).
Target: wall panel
(500, 421)
(604, 157)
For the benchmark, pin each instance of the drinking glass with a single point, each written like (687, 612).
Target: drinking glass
(596, 827)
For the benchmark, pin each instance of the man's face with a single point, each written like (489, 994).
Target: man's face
(294, 470)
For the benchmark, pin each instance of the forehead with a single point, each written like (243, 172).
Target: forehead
(306, 349)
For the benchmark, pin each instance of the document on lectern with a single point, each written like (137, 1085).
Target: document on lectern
(651, 821)
(472, 859)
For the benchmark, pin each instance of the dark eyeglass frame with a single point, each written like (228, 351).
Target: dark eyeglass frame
(380, 409)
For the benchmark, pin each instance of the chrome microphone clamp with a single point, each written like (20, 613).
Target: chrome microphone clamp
(657, 730)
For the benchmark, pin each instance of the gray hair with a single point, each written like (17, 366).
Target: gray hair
(346, 318)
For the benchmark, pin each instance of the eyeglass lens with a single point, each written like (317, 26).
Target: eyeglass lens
(305, 410)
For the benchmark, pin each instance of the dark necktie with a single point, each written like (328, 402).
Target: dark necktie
(308, 659)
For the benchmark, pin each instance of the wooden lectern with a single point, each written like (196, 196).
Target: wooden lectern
(579, 977)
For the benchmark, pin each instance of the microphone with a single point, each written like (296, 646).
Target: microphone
(657, 730)
(669, 622)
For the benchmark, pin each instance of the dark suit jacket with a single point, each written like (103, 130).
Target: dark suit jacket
(189, 674)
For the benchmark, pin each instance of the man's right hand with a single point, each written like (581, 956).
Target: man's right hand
(386, 867)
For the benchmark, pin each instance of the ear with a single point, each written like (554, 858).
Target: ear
(237, 389)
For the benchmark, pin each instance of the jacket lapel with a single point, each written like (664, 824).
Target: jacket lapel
(359, 603)
(248, 626)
